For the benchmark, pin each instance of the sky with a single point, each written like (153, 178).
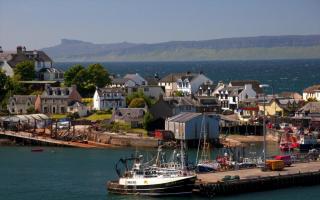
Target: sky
(42, 23)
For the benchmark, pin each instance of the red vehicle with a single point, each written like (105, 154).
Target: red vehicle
(286, 159)
(163, 135)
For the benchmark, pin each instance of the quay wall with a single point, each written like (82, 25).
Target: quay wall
(258, 184)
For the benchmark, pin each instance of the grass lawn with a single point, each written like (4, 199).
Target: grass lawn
(139, 130)
(95, 117)
(58, 116)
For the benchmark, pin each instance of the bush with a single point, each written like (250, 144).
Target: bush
(31, 110)
(137, 103)
(73, 116)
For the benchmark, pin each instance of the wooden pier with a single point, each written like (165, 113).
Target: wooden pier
(44, 139)
(253, 180)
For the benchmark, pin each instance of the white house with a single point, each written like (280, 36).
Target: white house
(312, 92)
(187, 83)
(42, 63)
(247, 92)
(109, 98)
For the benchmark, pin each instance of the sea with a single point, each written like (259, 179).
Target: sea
(81, 174)
(282, 75)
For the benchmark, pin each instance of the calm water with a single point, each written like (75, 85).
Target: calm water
(80, 174)
(284, 75)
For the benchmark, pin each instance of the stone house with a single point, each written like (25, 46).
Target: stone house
(77, 107)
(132, 116)
(55, 100)
(19, 104)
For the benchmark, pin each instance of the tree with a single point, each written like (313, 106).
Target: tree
(71, 73)
(31, 110)
(147, 119)
(24, 71)
(87, 79)
(138, 94)
(3, 87)
(137, 103)
(178, 94)
(98, 75)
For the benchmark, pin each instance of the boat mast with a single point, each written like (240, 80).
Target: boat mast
(205, 153)
(200, 135)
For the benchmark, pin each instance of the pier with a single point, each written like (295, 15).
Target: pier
(253, 180)
(26, 136)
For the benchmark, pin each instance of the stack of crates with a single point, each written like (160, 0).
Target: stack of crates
(275, 165)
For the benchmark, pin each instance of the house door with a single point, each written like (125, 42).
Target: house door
(54, 110)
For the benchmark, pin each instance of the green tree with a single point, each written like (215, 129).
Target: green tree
(137, 103)
(70, 74)
(24, 71)
(138, 94)
(147, 120)
(98, 75)
(31, 110)
(3, 87)
(87, 79)
(178, 94)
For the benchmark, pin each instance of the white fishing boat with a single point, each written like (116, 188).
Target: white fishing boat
(158, 179)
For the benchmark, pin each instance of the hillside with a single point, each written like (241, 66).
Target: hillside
(245, 48)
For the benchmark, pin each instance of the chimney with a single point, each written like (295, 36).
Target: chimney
(1, 51)
(24, 49)
(19, 49)
(248, 86)
(35, 53)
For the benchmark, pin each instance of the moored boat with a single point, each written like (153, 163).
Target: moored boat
(154, 179)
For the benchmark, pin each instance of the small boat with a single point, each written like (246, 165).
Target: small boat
(37, 150)
(158, 179)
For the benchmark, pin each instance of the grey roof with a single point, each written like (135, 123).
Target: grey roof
(311, 107)
(17, 118)
(51, 70)
(13, 58)
(22, 99)
(173, 77)
(119, 81)
(180, 101)
(56, 92)
(102, 91)
(129, 114)
(312, 89)
(233, 90)
(184, 117)
(255, 84)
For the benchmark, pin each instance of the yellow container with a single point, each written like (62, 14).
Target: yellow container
(275, 165)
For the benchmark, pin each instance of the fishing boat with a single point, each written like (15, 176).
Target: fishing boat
(204, 163)
(158, 179)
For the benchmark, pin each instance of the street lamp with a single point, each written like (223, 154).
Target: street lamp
(264, 123)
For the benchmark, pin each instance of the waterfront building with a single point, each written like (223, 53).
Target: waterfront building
(312, 92)
(19, 104)
(186, 83)
(187, 125)
(109, 98)
(55, 100)
(255, 85)
(310, 110)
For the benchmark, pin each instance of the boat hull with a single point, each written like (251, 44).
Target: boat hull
(180, 187)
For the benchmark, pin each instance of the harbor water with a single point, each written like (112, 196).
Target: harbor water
(81, 174)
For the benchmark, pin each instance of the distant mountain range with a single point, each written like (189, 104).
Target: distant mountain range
(242, 48)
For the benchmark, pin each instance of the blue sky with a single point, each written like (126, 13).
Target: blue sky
(42, 23)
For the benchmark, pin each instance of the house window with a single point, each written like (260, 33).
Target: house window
(45, 109)
(146, 89)
(62, 110)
